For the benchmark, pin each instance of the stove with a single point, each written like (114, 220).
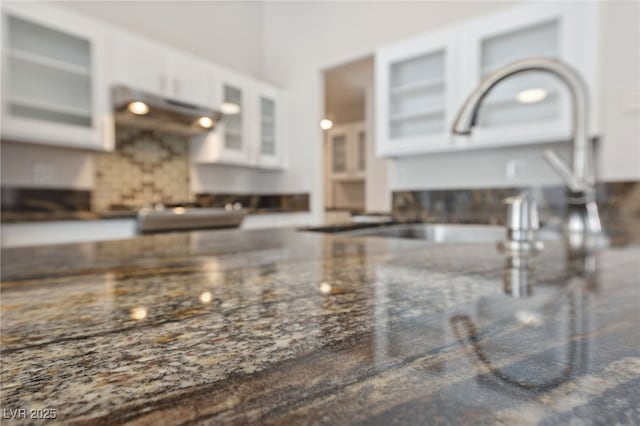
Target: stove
(162, 218)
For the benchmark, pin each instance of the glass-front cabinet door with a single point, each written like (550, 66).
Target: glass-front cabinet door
(53, 86)
(533, 106)
(234, 129)
(269, 149)
(414, 94)
(251, 132)
(339, 158)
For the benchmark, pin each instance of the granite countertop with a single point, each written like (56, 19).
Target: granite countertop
(285, 327)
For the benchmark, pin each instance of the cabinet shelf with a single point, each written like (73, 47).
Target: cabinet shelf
(412, 115)
(417, 86)
(48, 106)
(45, 61)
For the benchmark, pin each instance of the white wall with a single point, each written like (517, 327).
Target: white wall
(620, 91)
(29, 165)
(377, 195)
(228, 33)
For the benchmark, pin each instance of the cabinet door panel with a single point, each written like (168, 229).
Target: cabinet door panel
(535, 106)
(139, 64)
(415, 83)
(190, 80)
(231, 136)
(54, 90)
(268, 134)
(339, 154)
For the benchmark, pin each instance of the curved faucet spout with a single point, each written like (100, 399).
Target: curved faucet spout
(583, 222)
(582, 174)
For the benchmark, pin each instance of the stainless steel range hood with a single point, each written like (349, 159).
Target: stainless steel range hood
(146, 110)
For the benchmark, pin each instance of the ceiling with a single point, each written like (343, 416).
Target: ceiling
(209, 29)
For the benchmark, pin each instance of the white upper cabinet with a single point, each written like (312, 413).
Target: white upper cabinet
(234, 129)
(415, 82)
(141, 64)
(251, 132)
(54, 90)
(421, 83)
(534, 106)
(190, 80)
(269, 108)
(58, 70)
(347, 152)
(138, 63)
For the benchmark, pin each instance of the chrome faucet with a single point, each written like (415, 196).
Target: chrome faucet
(583, 222)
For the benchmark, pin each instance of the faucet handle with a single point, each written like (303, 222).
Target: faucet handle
(563, 170)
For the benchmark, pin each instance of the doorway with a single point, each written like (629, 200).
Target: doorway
(355, 180)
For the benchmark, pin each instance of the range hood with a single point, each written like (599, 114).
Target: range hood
(146, 110)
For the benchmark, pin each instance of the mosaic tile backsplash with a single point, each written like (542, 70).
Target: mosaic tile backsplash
(146, 167)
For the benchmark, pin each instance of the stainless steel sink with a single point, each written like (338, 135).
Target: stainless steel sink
(446, 233)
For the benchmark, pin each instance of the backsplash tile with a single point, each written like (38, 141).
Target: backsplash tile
(619, 204)
(37, 200)
(146, 167)
(257, 203)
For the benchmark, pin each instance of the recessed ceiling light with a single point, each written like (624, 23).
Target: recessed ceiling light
(205, 122)
(531, 96)
(326, 124)
(137, 107)
(230, 108)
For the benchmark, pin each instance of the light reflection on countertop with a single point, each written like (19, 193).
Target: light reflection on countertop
(281, 326)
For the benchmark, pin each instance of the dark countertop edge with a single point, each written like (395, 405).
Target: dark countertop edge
(33, 217)
(63, 216)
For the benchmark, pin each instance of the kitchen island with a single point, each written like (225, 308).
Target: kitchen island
(287, 327)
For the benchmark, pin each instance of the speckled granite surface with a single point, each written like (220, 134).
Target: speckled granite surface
(285, 327)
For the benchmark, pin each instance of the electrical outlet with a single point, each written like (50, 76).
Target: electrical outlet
(514, 169)
(43, 173)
